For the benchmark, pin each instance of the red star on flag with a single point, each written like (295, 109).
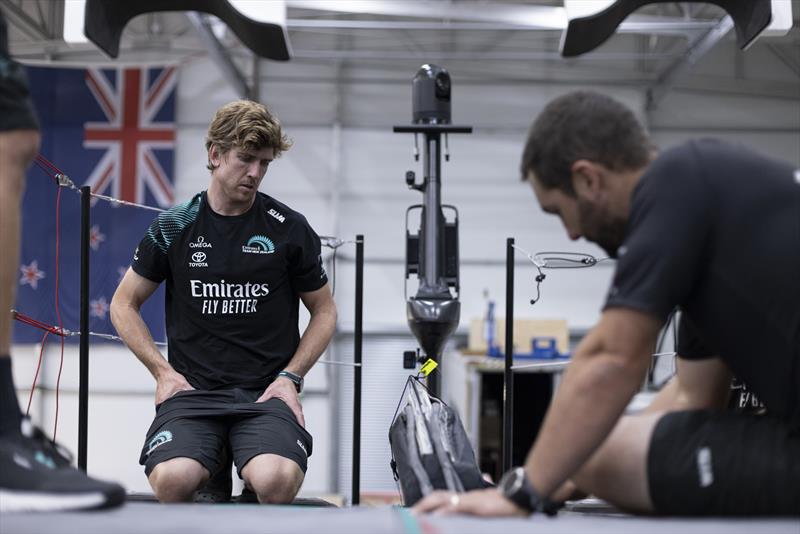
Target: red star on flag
(96, 237)
(31, 274)
(98, 308)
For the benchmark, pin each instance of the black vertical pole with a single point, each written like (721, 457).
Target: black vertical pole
(83, 387)
(357, 341)
(508, 376)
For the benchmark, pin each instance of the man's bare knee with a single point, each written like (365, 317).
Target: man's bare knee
(175, 480)
(275, 480)
(18, 148)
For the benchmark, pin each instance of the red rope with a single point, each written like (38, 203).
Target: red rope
(36, 376)
(47, 165)
(58, 307)
(21, 317)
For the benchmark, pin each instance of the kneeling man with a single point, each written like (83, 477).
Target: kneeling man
(236, 263)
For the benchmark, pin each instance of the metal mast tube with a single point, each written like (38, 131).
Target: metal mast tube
(432, 203)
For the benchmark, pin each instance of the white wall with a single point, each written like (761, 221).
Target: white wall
(346, 174)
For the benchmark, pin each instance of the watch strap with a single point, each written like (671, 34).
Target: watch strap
(297, 379)
(527, 498)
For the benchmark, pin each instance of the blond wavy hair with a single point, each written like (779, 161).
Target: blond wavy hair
(246, 125)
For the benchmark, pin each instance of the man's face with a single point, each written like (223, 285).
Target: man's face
(582, 216)
(239, 172)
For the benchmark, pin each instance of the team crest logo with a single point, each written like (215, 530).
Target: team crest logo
(165, 436)
(259, 244)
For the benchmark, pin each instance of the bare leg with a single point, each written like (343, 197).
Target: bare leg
(176, 480)
(17, 149)
(617, 472)
(273, 478)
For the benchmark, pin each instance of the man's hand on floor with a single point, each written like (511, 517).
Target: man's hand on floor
(486, 502)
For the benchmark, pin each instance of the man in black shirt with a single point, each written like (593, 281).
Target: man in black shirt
(35, 474)
(236, 263)
(710, 228)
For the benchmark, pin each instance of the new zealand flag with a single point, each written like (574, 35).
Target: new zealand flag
(113, 130)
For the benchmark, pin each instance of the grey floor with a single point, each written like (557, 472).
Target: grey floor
(149, 518)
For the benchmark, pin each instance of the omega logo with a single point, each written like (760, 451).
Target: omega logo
(200, 243)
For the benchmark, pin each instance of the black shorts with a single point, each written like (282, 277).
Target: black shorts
(722, 463)
(205, 425)
(16, 110)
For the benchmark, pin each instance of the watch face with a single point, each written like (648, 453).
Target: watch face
(511, 481)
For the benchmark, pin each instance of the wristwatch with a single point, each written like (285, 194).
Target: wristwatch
(297, 379)
(516, 487)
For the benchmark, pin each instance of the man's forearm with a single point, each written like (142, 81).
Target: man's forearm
(594, 393)
(314, 341)
(134, 332)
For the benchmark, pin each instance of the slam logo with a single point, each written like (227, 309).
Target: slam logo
(259, 244)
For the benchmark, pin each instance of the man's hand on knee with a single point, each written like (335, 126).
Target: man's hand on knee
(170, 384)
(284, 389)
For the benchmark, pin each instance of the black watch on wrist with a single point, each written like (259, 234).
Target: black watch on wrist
(297, 379)
(516, 487)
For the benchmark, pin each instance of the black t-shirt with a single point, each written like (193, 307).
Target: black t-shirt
(233, 285)
(715, 230)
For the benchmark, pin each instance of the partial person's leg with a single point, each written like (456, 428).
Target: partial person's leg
(17, 148)
(34, 475)
(180, 455)
(271, 452)
(19, 142)
(617, 472)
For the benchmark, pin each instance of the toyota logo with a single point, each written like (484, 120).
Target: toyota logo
(198, 257)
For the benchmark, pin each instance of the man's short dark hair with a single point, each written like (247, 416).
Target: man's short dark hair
(583, 125)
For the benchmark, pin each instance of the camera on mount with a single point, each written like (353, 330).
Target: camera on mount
(430, 94)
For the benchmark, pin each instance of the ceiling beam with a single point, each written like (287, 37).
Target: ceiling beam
(662, 27)
(542, 17)
(456, 55)
(219, 54)
(697, 49)
(475, 15)
(23, 22)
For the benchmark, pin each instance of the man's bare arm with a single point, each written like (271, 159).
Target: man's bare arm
(607, 369)
(697, 384)
(315, 339)
(126, 304)
(319, 331)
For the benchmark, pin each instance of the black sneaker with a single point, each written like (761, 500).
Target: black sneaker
(248, 496)
(219, 487)
(36, 475)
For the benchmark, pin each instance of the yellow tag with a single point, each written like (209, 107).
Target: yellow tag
(428, 367)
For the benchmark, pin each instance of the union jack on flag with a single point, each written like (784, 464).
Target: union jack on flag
(130, 133)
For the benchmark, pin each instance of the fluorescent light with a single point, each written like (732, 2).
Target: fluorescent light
(73, 21)
(270, 11)
(781, 21)
(583, 8)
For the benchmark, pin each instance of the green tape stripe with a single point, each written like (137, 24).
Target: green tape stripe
(410, 524)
